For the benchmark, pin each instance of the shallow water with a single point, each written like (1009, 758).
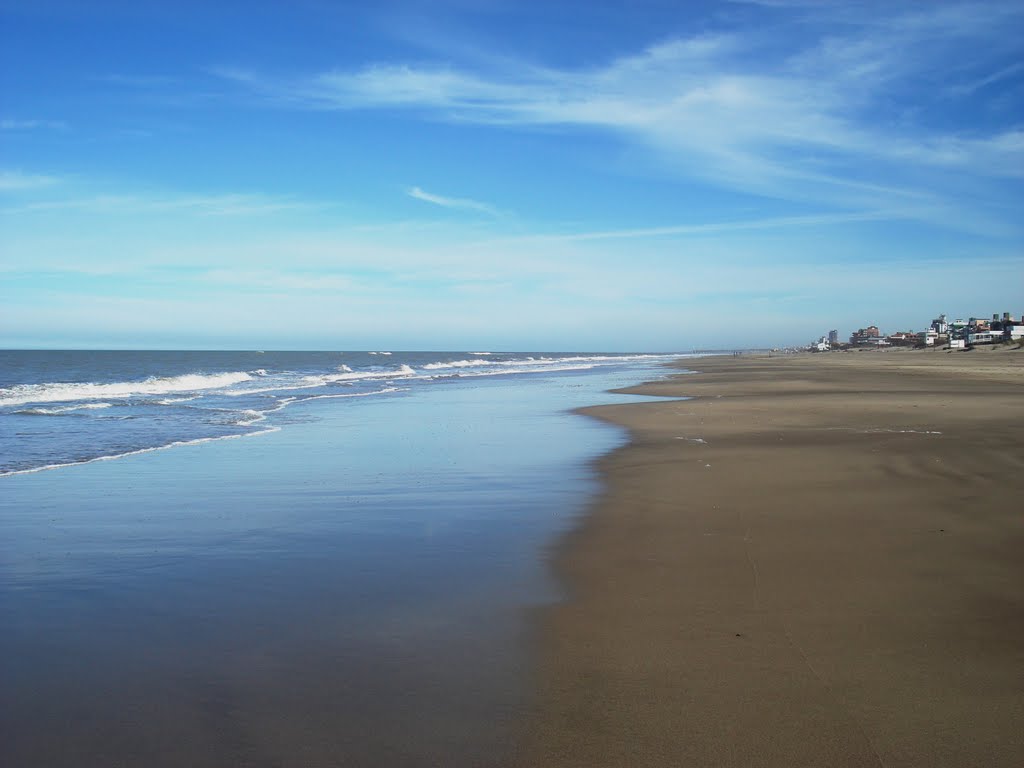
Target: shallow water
(70, 407)
(353, 589)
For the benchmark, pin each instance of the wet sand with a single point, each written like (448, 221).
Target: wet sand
(818, 561)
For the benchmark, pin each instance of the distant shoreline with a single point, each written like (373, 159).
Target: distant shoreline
(815, 561)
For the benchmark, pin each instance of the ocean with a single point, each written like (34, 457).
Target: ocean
(285, 558)
(59, 408)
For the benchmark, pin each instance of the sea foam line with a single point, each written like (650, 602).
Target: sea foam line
(250, 417)
(384, 391)
(312, 382)
(58, 392)
(535, 361)
(136, 452)
(62, 410)
(347, 374)
(510, 371)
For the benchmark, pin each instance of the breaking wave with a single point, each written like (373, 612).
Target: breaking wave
(347, 374)
(63, 392)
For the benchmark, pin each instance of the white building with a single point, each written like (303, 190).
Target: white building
(984, 337)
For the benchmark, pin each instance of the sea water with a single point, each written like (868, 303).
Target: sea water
(353, 583)
(68, 407)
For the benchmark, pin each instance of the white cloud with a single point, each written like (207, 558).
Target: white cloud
(450, 202)
(968, 88)
(12, 124)
(15, 181)
(682, 230)
(793, 120)
(201, 205)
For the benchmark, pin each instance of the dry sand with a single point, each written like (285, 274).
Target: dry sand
(818, 561)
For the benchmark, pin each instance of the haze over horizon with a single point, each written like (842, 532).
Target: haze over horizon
(498, 175)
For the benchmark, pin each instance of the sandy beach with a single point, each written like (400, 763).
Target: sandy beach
(816, 561)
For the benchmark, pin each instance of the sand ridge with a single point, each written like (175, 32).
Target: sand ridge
(817, 561)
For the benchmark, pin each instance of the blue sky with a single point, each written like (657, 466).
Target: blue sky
(624, 176)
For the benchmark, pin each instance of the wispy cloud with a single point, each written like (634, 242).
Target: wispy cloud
(201, 205)
(14, 124)
(451, 202)
(16, 181)
(965, 89)
(781, 222)
(832, 119)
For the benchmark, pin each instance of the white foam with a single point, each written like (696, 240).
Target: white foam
(63, 409)
(460, 364)
(384, 391)
(113, 456)
(263, 390)
(511, 371)
(60, 392)
(611, 358)
(403, 371)
(527, 361)
(545, 362)
(249, 417)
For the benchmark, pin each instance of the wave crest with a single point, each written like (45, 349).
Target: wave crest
(63, 392)
(403, 371)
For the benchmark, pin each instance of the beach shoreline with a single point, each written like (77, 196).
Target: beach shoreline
(814, 561)
(354, 589)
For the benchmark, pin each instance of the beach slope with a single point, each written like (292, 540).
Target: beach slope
(816, 561)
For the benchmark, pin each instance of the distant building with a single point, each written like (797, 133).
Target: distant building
(951, 334)
(984, 337)
(1004, 323)
(866, 336)
(957, 329)
(902, 339)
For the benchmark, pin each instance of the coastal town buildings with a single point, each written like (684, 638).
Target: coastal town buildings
(864, 336)
(951, 334)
